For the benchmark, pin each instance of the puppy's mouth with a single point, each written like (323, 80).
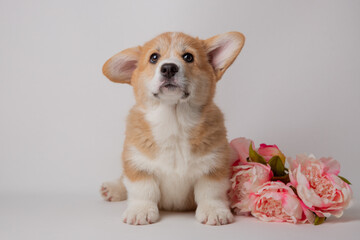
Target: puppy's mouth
(170, 87)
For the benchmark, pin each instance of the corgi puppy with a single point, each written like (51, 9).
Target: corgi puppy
(176, 155)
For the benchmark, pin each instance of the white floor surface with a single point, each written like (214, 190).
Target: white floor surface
(65, 216)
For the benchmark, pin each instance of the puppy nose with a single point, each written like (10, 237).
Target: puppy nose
(168, 70)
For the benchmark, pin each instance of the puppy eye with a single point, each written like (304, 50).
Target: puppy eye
(154, 58)
(188, 57)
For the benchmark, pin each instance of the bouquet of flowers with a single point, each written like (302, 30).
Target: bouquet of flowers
(309, 190)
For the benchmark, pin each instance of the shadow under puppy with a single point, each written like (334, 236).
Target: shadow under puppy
(176, 155)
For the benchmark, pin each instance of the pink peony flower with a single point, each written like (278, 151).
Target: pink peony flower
(269, 151)
(245, 180)
(276, 202)
(241, 146)
(318, 185)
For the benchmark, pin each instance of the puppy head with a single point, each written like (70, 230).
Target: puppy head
(175, 67)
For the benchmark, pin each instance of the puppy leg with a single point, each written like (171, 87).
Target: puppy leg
(143, 198)
(113, 191)
(211, 198)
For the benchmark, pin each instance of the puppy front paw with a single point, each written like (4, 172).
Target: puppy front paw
(141, 213)
(214, 214)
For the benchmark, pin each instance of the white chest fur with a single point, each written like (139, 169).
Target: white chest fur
(175, 167)
(170, 126)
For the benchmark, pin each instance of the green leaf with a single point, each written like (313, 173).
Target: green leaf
(255, 157)
(345, 180)
(285, 179)
(282, 157)
(277, 166)
(319, 220)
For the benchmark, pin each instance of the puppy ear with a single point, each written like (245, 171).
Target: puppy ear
(223, 49)
(121, 66)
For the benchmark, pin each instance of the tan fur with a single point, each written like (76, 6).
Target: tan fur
(207, 134)
(131, 172)
(138, 134)
(210, 133)
(209, 42)
(121, 75)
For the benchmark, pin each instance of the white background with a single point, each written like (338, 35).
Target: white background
(296, 83)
